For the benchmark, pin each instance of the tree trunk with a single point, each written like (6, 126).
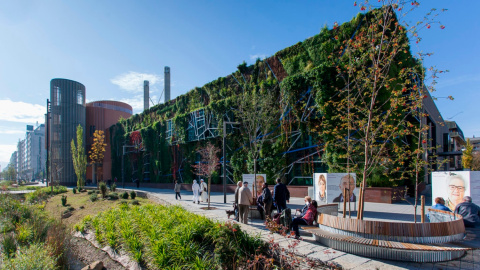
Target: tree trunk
(94, 179)
(209, 184)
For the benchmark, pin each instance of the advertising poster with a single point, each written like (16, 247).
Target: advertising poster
(451, 186)
(329, 187)
(261, 178)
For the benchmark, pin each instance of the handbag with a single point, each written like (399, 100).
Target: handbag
(205, 189)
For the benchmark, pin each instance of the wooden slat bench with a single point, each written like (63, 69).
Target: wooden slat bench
(416, 233)
(392, 250)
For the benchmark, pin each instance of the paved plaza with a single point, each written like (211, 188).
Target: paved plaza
(308, 246)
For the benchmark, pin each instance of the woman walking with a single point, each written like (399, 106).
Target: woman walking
(195, 189)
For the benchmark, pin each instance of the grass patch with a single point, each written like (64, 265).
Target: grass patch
(55, 209)
(169, 237)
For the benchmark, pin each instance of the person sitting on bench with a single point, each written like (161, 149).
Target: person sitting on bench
(303, 211)
(307, 219)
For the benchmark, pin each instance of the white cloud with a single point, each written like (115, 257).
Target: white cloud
(255, 56)
(9, 130)
(6, 151)
(21, 112)
(133, 81)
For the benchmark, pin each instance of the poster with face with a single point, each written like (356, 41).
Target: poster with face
(259, 181)
(329, 187)
(451, 186)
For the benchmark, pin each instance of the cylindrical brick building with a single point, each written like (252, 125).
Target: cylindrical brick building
(100, 116)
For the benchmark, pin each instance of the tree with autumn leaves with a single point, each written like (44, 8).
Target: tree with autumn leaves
(97, 151)
(373, 116)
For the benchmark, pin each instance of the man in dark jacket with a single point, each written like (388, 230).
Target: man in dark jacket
(469, 211)
(267, 200)
(281, 195)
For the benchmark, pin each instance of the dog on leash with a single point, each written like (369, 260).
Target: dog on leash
(230, 213)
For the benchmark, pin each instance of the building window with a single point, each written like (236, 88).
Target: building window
(58, 95)
(79, 97)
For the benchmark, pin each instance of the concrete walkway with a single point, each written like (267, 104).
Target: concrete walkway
(308, 246)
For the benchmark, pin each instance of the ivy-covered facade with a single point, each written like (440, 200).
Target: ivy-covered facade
(300, 80)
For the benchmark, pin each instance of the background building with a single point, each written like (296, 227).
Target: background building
(66, 112)
(35, 152)
(100, 116)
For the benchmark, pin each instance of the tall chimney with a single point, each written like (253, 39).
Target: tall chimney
(146, 93)
(167, 84)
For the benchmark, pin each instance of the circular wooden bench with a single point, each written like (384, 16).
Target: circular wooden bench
(417, 242)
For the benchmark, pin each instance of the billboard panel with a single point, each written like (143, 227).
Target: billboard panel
(451, 186)
(329, 187)
(261, 178)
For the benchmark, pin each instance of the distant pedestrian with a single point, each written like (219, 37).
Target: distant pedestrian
(235, 204)
(203, 190)
(195, 189)
(267, 200)
(245, 199)
(177, 190)
(469, 211)
(281, 195)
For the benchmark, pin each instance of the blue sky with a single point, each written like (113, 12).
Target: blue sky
(112, 46)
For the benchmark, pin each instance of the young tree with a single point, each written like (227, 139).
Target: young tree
(258, 111)
(97, 151)
(368, 111)
(209, 162)
(467, 157)
(79, 157)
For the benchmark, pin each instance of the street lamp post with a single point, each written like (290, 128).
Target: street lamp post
(224, 160)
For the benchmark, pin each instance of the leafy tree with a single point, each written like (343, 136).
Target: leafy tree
(467, 157)
(258, 113)
(79, 157)
(209, 162)
(97, 151)
(369, 112)
(476, 161)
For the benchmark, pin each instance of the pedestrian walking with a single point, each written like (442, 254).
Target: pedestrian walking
(177, 190)
(195, 189)
(281, 195)
(235, 204)
(245, 199)
(203, 190)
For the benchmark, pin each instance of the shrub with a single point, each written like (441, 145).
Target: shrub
(112, 196)
(133, 194)
(36, 256)
(64, 200)
(8, 245)
(113, 187)
(103, 189)
(24, 233)
(125, 195)
(70, 208)
(43, 193)
(93, 197)
(74, 190)
(90, 192)
(135, 202)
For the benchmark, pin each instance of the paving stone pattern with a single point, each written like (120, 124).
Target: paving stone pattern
(308, 246)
